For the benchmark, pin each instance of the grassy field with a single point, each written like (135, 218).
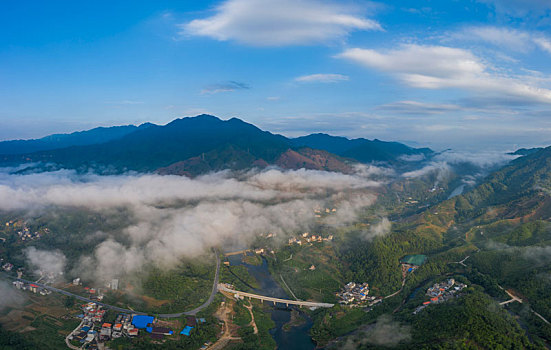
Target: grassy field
(43, 320)
(312, 273)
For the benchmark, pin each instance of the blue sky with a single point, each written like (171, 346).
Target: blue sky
(463, 74)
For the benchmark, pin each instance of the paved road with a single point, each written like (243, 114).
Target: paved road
(398, 291)
(68, 342)
(289, 288)
(209, 300)
(119, 309)
(81, 298)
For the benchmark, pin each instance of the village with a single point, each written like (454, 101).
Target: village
(441, 292)
(24, 232)
(33, 288)
(356, 294)
(307, 237)
(318, 212)
(93, 331)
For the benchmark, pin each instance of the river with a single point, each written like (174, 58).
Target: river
(296, 338)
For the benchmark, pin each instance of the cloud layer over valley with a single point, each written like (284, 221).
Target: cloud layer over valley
(173, 217)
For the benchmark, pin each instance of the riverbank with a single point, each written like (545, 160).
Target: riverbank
(295, 336)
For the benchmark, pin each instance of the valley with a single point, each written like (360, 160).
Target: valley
(302, 230)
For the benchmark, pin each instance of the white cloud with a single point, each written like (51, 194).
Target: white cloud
(225, 87)
(321, 78)
(416, 107)
(543, 43)
(174, 217)
(440, 168)
(520, 8)
(438, 67)
(47, 262)
(380, 228)
(279, 23)
(388, 333)
(509, 38)
(11, 297)
(482, 159)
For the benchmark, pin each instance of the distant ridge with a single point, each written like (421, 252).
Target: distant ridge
(196, 145)
(79, 138)
(361, 149)
(524, 151)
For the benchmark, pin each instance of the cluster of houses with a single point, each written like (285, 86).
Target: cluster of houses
(122, 326)
(93, 330)
(309, 238)
(96, 294)
(92, 313)
(410, 263)
(318, 212)
(31, 287)
(441, 292)
(7, 267)
(355, 294)
(28, 235)
(260, 251)
(269, 235)
(25, 234)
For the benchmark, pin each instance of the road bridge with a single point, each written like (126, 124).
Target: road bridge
(287, 302)
(244, 251)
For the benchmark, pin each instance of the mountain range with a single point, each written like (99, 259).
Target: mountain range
(195, 145)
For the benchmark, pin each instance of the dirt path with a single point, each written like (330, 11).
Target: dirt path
(253, 323)
(223, 314)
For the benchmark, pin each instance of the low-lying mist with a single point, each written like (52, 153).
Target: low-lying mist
(168, 218)
(173, 217)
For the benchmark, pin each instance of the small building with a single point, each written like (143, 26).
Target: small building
(141, 321)
(132, 332)
(159, 330)
(105, 333)
(186, 331)
(91, 336)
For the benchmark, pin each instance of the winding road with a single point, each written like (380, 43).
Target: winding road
(120, 309)
(209, 300)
